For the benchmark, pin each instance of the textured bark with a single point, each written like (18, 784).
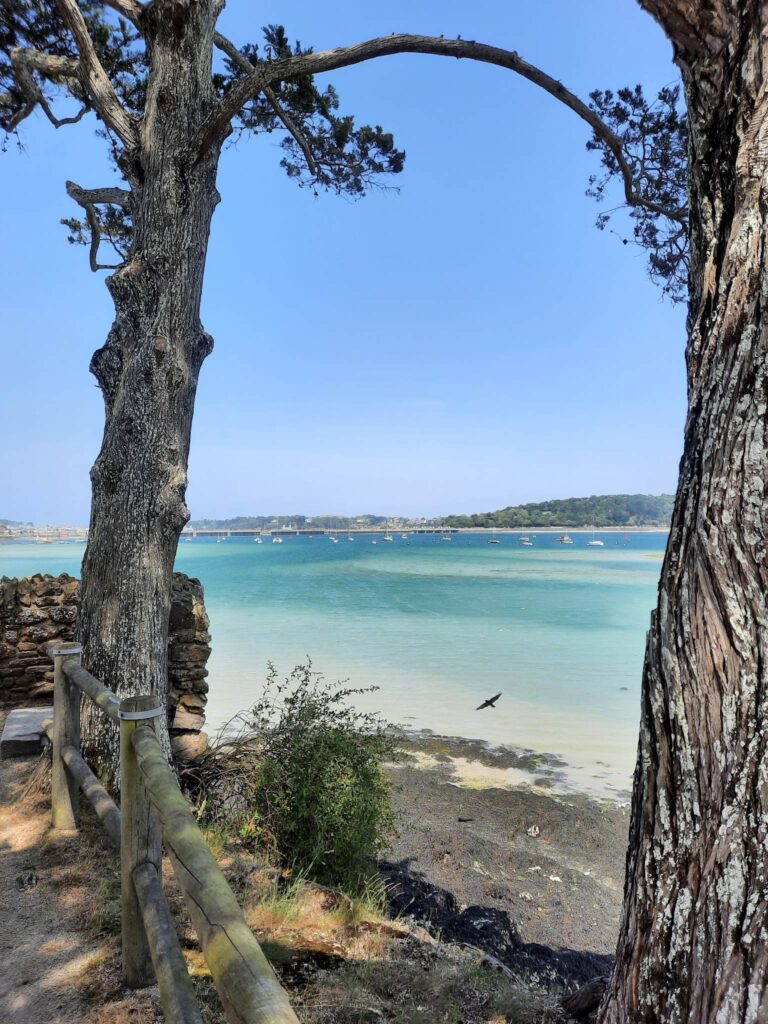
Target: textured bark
(148, 371)
(693, 936)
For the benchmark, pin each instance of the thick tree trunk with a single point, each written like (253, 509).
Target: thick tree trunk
(695, 923)
(148, 371)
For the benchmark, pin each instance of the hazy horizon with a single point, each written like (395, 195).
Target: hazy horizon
(351, 515)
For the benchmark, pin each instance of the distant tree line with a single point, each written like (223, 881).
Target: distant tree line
(597, 510)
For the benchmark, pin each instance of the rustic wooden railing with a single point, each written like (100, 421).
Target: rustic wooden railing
(153, 812)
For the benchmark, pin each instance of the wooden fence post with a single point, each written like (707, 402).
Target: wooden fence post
(66, 733)
(140, 838)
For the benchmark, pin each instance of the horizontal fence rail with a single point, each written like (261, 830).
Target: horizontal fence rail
(91, 687)
(153, 810)
(105, 807)
(176, 992)
(246, 983)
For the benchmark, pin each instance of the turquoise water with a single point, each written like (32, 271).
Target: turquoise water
(438, 626)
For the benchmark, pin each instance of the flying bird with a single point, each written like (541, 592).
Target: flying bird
(490, 703)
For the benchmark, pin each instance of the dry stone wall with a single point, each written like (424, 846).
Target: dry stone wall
(39, 610)
(189, 647)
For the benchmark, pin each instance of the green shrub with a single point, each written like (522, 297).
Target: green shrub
(301, 776)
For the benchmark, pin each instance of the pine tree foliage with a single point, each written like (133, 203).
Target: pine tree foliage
(654, 134)
(345, 159)
(342, 157)
(324, 149)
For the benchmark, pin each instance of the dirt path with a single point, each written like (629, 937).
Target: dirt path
(42, 955)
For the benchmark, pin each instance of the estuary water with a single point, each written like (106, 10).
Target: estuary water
(439, 627)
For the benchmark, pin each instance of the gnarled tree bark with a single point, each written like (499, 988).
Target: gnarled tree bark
(148, 370)
(693, 935)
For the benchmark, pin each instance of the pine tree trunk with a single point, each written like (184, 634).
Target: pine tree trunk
(148, 371)
(693, 936)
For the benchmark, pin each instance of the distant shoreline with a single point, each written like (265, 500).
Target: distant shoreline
(73, 534)
(556, 529)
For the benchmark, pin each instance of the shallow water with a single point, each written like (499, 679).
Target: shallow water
(438, 627)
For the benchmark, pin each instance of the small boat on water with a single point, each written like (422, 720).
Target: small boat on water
(374, 541)
(493, 539)
(388, 538)
(446, 537)
(564, 539)
(404, 536)
(595, 544)
(526, 542)
(277, 540)
(350, 538)
(257, 540)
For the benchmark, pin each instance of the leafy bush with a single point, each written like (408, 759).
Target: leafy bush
(301, 775)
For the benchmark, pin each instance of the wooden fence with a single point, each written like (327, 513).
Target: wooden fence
(153, 812)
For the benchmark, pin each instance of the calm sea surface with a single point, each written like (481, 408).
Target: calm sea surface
(438, 627)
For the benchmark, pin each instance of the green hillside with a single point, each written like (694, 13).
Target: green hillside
(597, 510)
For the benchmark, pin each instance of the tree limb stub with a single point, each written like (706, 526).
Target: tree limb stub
(112, 195)
(94, 78)
(88, 198)
(261, 76)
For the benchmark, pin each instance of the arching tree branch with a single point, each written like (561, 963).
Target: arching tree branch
(293, 128)
(88, 198)
(94, 78)
(87, 82)
(60, 122)
(229, 48)
(264, 74)
(129, 9)
(56, 69)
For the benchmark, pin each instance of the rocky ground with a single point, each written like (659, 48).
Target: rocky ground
(532, 878)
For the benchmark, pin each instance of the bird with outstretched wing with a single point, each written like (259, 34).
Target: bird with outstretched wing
(490, 703)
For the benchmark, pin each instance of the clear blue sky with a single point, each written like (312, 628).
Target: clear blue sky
(467, 343)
